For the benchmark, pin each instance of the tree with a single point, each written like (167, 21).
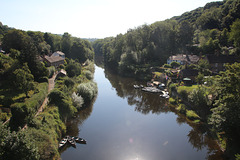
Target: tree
(24, 79)
(73, 69)
(235, 33)
(175, 64)
(66, 43)
(16, 145)
(226, 113)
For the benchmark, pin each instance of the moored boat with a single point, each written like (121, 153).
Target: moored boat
(72, 141)
(63, 142)
(80, 140)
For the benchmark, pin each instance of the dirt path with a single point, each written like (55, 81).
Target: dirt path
(51, 84)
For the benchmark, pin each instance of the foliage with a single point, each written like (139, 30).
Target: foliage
(16, 145)
(51, 71)
(198, 97)
(88, 75)
(184, 95)
(77, 100)
(235, 33)
(192, 115)
(73, 69)
(182, 108)
(87, 90)
(24, 79)
(172, 101)
(226, 110)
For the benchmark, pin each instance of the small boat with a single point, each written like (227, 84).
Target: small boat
(63, 142)
(80, 140)
(72, 141)
(136, 86)
(151, 89)
(165, 95)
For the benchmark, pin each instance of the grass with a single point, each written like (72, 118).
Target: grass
(187, 88)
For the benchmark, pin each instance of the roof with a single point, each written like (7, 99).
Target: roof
(184, 57)
(221, 58)
(58, 53)
(54, 59)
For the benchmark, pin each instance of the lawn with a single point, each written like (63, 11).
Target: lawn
(187, 88)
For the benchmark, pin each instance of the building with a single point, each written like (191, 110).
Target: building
(58, 53)
(54, 60)
(217, 62)
(183, 59)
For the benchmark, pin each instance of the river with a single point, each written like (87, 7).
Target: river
(124, 123)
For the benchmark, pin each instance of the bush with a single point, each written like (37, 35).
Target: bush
(192, 115)
(69, 82)
(88, 75)
(172, 101)
(51, 71)
(172, 88)
(181, 108)
(184, 95)
(87, 90)
(77, 100)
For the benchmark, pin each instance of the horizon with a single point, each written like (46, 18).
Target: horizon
(93, 18)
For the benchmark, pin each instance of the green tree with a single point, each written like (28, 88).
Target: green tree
(16, 145)
(73, 69)
(235, 33)
(66, 44)
(226, 113)
(24, 79)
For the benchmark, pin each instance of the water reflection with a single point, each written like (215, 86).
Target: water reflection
(150, 131)
(144, 102)
(147, 103)
(73, 124)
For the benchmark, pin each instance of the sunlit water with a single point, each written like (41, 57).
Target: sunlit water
(128, 124)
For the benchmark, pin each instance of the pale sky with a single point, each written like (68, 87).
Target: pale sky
(90, 18)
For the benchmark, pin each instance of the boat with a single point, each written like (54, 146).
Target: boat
(165, 95)
(72, 141)
(152, 90)
(136, 86)
(63, 142)
(80, 140)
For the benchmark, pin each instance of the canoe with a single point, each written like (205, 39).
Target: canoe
(63, 142)
(80, 140)
(72, 141)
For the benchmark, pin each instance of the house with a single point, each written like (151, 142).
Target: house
(58, 53)
(183, 59)
(189, 74)
(54, 60)
(217, 62)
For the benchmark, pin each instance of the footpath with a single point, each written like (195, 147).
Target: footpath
(51, 84)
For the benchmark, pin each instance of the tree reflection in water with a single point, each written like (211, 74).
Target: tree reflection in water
(151, 103)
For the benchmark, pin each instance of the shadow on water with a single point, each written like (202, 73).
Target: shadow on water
(146, 104)
(199, 137)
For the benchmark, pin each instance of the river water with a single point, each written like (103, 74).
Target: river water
(127, 124)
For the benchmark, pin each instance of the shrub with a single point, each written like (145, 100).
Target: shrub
(184, 95)
(167, 66)
(172, 88)
(192, 115)
(181, 108)
(77, 100)
(88, 75)
(172, 101)
(51, 71)
(87, 90)
(43, 79)
(69, 82)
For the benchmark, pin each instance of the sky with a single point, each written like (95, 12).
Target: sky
(90, 18)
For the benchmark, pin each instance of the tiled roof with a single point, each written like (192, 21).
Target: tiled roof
(54, 59)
